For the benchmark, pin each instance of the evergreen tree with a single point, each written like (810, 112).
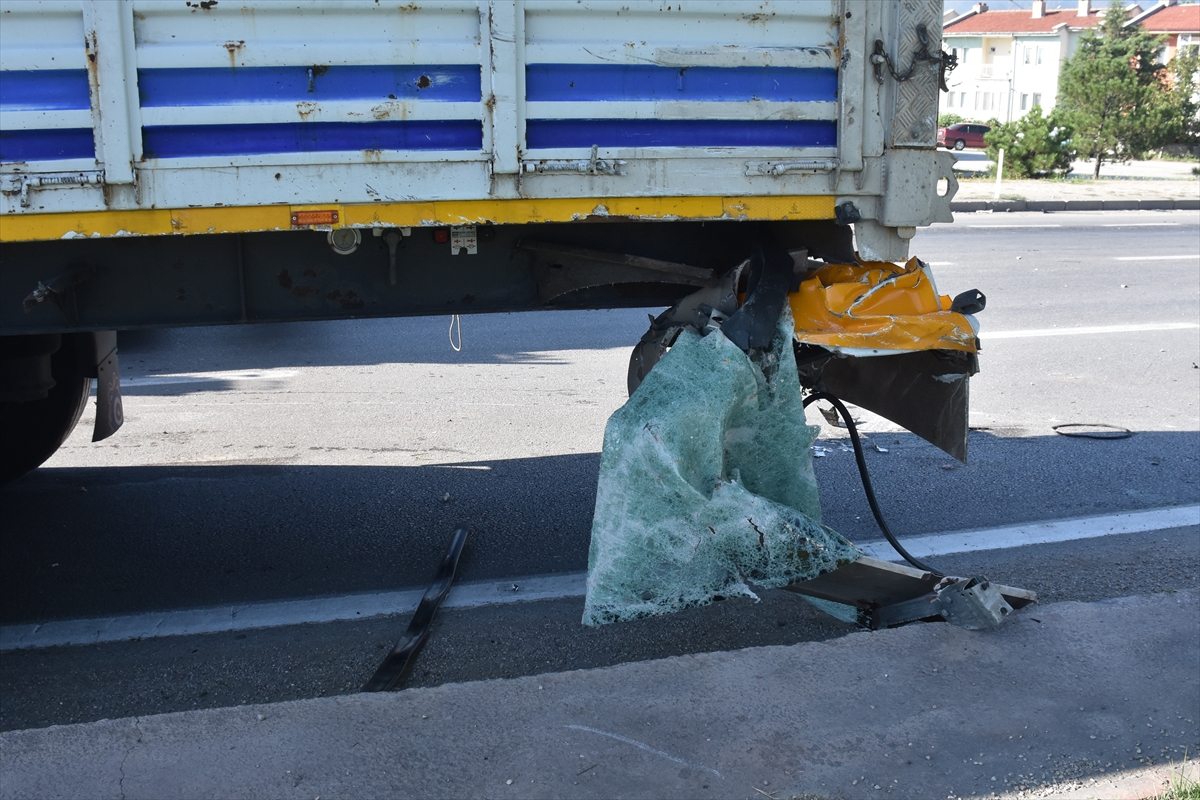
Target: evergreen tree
(1184, 98)
(1114, 93)
(1035, 146)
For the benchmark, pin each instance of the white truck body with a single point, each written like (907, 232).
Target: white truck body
(148, 117)
(212, 162)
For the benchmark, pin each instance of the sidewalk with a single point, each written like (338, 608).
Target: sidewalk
(1138, 185)
(1064, 700)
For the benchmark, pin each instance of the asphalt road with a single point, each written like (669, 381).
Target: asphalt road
(318, 459)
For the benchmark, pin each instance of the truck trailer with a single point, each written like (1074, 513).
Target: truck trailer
(215, 162)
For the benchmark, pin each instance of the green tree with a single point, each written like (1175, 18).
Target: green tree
(948, 119)
(1184, 71)
(1114, 93)
(1035, 146)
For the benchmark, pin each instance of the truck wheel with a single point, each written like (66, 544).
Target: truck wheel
(32, 430)
(959, 144)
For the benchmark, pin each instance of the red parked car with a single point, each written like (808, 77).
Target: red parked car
(962, 134)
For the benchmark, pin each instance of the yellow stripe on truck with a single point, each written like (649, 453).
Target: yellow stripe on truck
(248, 219)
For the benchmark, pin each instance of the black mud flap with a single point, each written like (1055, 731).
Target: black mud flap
(925, 392)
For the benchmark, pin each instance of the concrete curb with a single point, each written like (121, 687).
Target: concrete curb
(1076, 205)
(1073, 700)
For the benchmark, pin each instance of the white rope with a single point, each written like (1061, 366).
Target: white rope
(456, 320)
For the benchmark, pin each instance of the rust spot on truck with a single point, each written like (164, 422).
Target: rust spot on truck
(423, 82)
(306, 109)
(234, 48)
(285, 280)
(391, 109)
(374, 156)
(93, 69)
(206, 5)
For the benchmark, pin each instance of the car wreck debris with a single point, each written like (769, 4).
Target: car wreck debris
(706, 483)
(398, 664)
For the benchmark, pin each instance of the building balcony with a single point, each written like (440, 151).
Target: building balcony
(989, 71)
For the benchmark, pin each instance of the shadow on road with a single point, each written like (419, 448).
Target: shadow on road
(99, 541)
(528, 337)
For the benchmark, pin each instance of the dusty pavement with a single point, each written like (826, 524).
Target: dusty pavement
(1065, 700)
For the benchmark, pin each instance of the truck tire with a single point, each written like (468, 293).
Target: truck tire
(31, 431)
(959, 144)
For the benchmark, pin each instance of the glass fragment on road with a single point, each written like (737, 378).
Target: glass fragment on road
(706, 484)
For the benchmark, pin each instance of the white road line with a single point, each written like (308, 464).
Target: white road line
(275, 614)
(1137, 224)
(989, 336)
(940, 263)
(1014, 226)
(1062, 530)
(1156, 258)
(473, 595)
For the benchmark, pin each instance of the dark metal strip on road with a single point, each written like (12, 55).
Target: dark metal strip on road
(399, 662)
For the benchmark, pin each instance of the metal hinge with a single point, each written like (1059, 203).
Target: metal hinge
(776, 168)
(592, 166)
(21, 184)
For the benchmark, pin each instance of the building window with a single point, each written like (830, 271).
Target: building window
(978, 96)
(1024, 102)
(962, 99)
(1039, 55)
(950, 100)
(1028, 55)
(1037, 99)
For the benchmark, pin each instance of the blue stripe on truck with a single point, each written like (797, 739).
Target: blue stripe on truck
(221, 86)
(555, 133)
(632, 82)
(47, 145)
(44, 90)
(177, 141)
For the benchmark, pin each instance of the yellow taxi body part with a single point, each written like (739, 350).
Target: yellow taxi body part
(878, 307)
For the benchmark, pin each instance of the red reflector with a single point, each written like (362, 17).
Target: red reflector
(441, 235)
(315, 217)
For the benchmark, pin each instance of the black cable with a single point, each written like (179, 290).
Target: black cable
(866, 481)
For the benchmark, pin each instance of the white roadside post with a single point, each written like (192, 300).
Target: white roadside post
(999, 172)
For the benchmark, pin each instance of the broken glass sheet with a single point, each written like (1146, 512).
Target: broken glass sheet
(706, 484)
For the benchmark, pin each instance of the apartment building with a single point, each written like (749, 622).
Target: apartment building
(1009, 59)
(1180, 23)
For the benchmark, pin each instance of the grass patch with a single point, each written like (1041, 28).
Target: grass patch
(1182, 786)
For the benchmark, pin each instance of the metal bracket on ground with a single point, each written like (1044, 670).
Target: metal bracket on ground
(886, 594)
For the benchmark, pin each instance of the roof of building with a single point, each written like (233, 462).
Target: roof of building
(1020, 21)
(1172, 19)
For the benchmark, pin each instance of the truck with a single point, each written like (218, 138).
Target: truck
(217, 162)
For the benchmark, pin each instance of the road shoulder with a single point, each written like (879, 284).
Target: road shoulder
(1066, 696)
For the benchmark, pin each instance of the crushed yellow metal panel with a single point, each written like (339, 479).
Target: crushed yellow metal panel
(878, 307)
(246, 219)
